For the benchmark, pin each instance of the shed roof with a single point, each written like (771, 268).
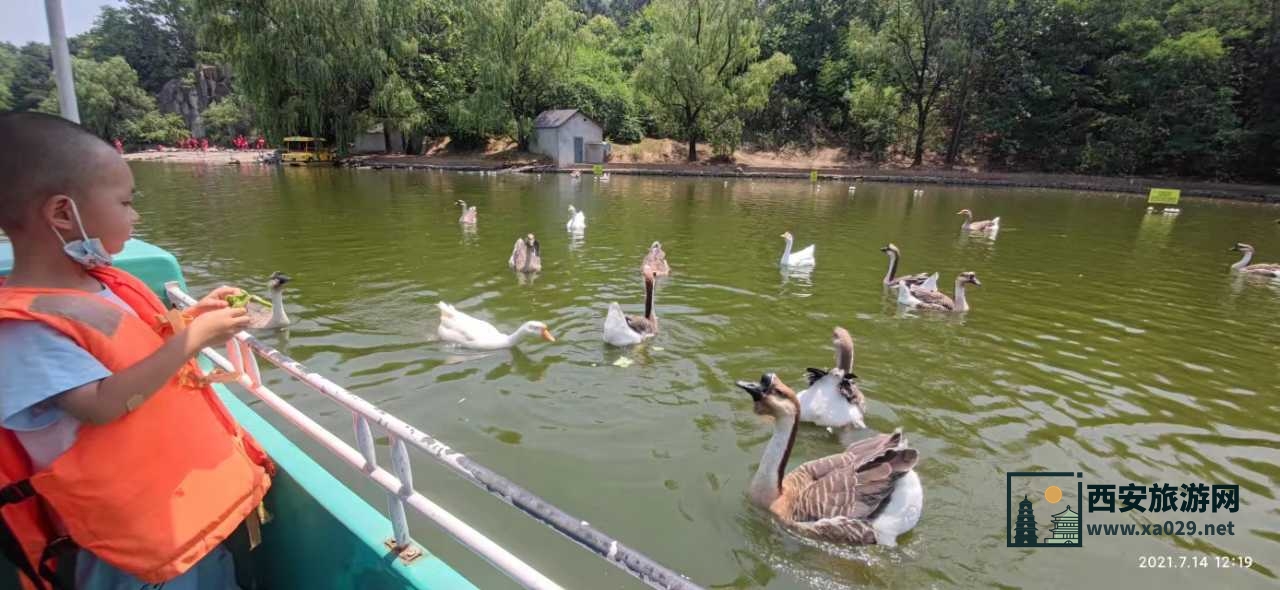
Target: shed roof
(553, 118)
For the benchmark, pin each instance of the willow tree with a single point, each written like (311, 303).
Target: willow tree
(306, 66)
(519, 49)
(699, 69)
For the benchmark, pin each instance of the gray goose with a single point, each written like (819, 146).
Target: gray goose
(655, 260)
(969, 224)
(937, 300)
(890, 278)
(526, 255)
(868, 494)
(1265, 269)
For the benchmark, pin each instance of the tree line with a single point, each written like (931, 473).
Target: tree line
(1118, 87)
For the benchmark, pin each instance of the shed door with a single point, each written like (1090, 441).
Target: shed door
(577, 150)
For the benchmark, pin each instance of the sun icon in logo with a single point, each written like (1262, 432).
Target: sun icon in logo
(1053, 494)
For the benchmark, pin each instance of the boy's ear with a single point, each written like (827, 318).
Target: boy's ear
(55, 211)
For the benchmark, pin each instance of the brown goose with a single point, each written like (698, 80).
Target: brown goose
(625, 330)
(655, 260)
(1265, 269)
(969, 224)
(526, 255)
(937, 300)
(869, 494)
(890, 278)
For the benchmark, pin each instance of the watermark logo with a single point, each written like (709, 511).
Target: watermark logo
(1043, 509)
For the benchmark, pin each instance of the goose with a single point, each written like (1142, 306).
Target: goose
(801, 258)
(468, 213)
(526, 255)
(271, 317)
(890, 278)
(655, 261)
(604, 177)
(576, 174)
(1243, 266)
(833, 399)
(625, 330)
(464, 330)
(937, 300)
(868, 494)
(984, 225)
(577, 220)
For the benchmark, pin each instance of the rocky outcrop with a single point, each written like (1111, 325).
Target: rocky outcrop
(188, 96)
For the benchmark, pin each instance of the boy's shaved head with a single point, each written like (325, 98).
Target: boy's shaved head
(41, 156)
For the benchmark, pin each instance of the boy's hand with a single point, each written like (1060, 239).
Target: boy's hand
(215, 327)
(216, 299)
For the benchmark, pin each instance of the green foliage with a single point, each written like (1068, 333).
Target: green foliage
(873, 116)
(699, 71)
(8, 67)
(32, 79)
(227, 118)
(595, 83)
(110, 100)
(154, 127)
(155, 51)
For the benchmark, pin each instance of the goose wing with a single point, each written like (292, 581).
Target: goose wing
(617, 329)
(851, 485)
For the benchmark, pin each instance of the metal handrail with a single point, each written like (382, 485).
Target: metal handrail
(399, 486)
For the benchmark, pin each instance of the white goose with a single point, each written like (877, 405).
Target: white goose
(464, 330)
(867, 495)
(625, 330)
(799, 258)
(937, 300)
(1243, 267)
(577, 220)
(833, 400)
(468, 213)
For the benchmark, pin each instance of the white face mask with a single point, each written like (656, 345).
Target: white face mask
(90, 253)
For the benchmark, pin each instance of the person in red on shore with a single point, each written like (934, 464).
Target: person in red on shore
(262, 142)
(204, 144)
(119, 145)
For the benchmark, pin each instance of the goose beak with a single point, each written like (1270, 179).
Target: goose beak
(546, 335)
(757, 393)
(976, 282)
(1235, 248)
(884, 249)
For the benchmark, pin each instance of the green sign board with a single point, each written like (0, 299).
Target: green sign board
(813, 176)
(1164, 196)
(597, 169)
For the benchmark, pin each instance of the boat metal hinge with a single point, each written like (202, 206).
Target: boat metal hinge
(407, 554)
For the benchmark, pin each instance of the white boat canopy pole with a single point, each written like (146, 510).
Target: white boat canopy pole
(61, 61)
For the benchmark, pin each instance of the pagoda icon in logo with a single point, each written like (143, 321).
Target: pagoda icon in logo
(1026, 527)
(1066, 528)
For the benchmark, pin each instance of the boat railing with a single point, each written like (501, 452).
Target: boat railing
(241, 360)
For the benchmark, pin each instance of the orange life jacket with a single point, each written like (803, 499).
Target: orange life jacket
(152, 492)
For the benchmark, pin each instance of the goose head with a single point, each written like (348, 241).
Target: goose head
(277, 281)
(891, 250)
(536, 329)
(532, 244)
(965, 212)
(969, 278)
(772, 397)
(572, 210)
(461, 203)
(786, 235)
(1241, 247)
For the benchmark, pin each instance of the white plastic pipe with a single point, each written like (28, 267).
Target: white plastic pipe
(61, 61)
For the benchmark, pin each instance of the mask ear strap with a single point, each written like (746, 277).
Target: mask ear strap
(76, 212)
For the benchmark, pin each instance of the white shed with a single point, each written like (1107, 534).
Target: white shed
(568, 137)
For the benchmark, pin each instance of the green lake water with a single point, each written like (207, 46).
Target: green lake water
(1103, 340)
